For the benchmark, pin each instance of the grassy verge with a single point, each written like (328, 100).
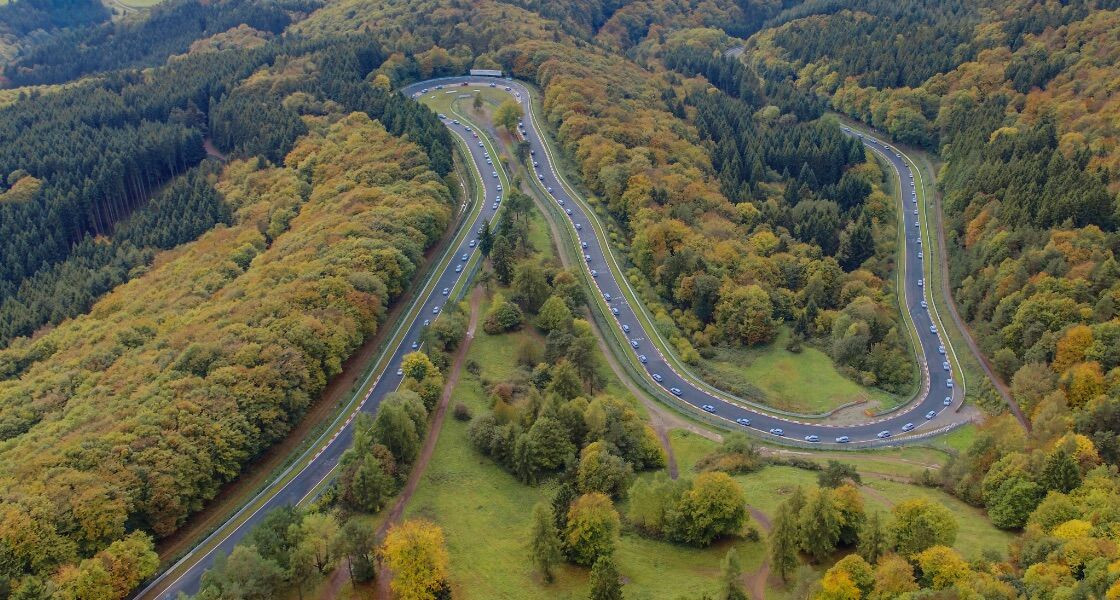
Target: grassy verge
(806, 381)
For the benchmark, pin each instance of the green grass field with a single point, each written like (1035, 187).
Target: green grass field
(805, 382)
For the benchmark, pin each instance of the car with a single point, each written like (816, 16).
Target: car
(455, 121)
(708, 408)
(812, 438)
(473, 243)
(884, 435)
(550, 190)
(917, 224)
(507, 88)
(583, 244)
(426, 322)
(569, 211)
(499, 187)
(494, 206)
(560, 201)
(941, 349)
(479, 143)
(400, 372)
(657, 377)
(777, 431)
(949, 383)
(933, 328)
(931, 414)
(532, 152)
(467, 127)
(843, 439)
(439, 87)
(446, 291)
(536, 164)
(539, 176)
(464, 257)
(625, 328)
(642, 359)
(945, 365)
(924, 304)
(743, 421)
(921, 282)
(493, 85)
(919, 254)
(675, 391)
(486, 153)
(497, 198)
(587, 257)
(435, 310)
(489, 162)
(614, 310)
(915, 212)
(480, 229)
(607, 296)
(493, 173)
(594, 273)
(442, 116)
(464, 84)
(458, 268)
(633, 343)
(578, 226)
(908, 427)
(415, 345)
(425, 91)
(948, 401)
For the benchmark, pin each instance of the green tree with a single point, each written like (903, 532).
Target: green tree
(486, 239)
(301, 567)
(554, 315)
(371, 484)
(713, 507)
(1060, 472)
(477, 102)
(1012, 503)
(836, 473)
(592, 529)
(820, 524)
(601, 471)
(318, 532)
(501, 258)
(544, 541)
(395, 425)
(605, 583)
(530, 287)
(417, 365)
(730, 572)
(508, 114)
(893, 577)
(503, 316)
(358, 541)
(918, 524)
(565, 381)
(873, 542)
(243, 574)
(785, 540)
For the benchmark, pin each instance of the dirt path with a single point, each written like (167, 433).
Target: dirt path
(339, 575)
(755, 581)
(258, 471)
(947, 293)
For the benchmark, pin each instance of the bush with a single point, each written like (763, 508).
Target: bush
(461, 412)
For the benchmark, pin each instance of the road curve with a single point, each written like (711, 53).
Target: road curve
(311, 471)
(188, 570)
(938, 392)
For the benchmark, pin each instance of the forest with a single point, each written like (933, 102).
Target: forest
(103, 149)
(215, 352)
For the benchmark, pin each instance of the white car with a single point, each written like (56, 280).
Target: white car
(743, 421)
(908, 427)
(657, 377)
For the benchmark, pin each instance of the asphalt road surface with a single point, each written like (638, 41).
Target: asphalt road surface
(186, 574)
(937, 392)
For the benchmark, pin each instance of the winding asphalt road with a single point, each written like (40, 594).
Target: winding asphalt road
(664, 372)
(938, 392)
(186, 574)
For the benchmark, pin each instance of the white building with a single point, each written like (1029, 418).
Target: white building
(486, 73)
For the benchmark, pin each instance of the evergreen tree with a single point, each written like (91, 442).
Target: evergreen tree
(730, 572)
(605, 583)
(785, 540)
(873, 541)
(544, 540)
(820, 524)
(1060, 472)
